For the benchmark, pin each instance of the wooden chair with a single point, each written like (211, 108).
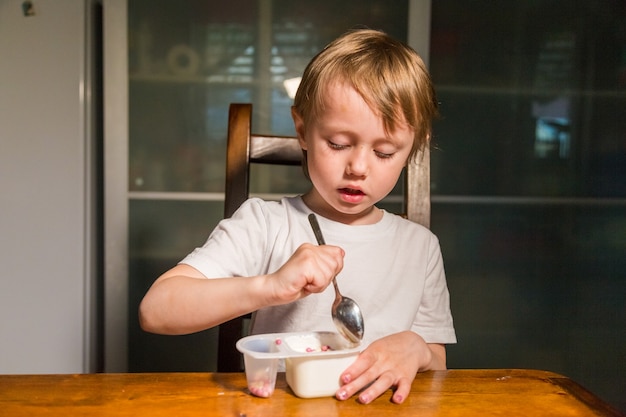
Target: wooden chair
(245, 148)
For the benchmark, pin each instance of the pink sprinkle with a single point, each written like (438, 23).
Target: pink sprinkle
(279, 341)
(325, 348)
(309, 349)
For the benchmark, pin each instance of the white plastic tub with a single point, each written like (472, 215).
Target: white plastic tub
(313, 361)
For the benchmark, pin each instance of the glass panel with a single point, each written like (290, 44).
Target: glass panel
(160, 234)
(187, 62)
(529, 93)
(538, 286)
(529, 184)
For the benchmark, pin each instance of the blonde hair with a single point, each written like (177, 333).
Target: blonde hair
(388, 74)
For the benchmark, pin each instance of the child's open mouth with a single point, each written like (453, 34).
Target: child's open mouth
(351, 191)
(351, 195)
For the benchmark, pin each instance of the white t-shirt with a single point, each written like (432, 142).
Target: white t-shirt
(393, 269)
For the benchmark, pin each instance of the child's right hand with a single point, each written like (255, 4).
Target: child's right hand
(309, 270)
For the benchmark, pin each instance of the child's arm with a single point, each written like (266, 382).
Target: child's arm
(182, 300)
(391, 362)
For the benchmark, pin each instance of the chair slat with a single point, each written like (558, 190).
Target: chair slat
(283, 150)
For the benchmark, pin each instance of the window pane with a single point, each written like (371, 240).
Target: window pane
(530, 93)
(189, 60)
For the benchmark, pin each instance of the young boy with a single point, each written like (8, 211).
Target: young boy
(363, 108)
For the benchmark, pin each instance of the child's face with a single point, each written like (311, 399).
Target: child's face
(352, 161)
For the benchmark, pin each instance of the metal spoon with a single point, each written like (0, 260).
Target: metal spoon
(345, 311)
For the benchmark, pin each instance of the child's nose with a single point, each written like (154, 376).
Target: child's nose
(358, 164)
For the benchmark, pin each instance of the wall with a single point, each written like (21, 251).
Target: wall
(46, 290)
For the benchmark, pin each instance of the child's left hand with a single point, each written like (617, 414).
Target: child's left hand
(390, 362)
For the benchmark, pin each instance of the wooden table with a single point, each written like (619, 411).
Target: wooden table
(499, 392)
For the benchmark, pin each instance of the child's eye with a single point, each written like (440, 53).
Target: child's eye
(337, 146)
(383, 155)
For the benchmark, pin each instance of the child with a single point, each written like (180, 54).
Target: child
(363, 108)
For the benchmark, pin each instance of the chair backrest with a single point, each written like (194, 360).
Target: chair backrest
(244, 148)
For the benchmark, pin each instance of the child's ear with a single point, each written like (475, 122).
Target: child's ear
(298, 123)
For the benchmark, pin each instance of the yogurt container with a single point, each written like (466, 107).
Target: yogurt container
(313, 361)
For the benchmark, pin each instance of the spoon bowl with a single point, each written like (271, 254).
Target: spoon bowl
(345, 312)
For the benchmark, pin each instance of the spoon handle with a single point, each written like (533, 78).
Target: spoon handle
(320, 241)
(316, 229)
